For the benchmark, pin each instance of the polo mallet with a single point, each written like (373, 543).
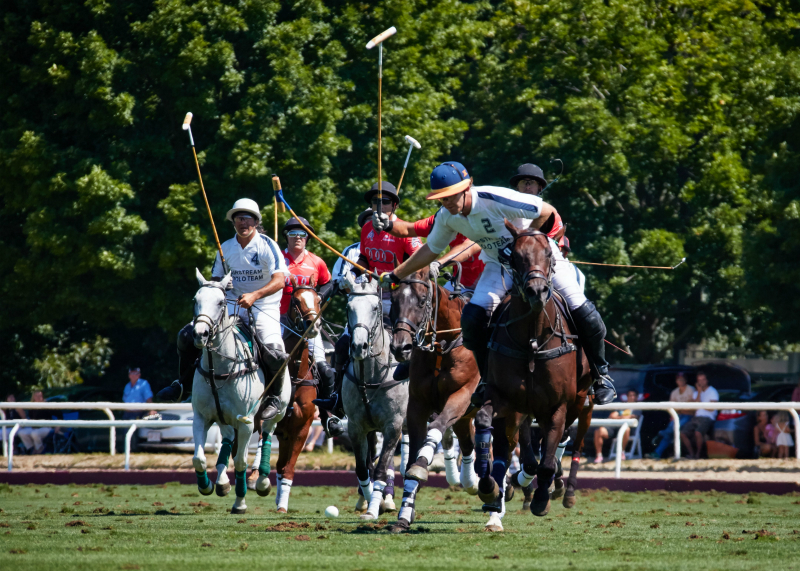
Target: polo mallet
(279, 206)
(279, 197)
(187, 126)
(412, 143)
(378, 41)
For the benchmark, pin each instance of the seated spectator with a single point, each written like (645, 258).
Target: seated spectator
(137, 390)
(783, 439)
(763, 437)
(681, 393)
(601, 433)
(14, 413)
(701, 424)
(313, 434)
(32, 438)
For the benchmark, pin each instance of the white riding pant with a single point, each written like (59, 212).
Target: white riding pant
(315, 346)
(267, 321)
(495, 282)
(32, 437)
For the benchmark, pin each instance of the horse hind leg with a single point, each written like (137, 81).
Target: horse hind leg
(488, 487)
(467, 476)
(240, 467)
(558, 488)
(528, 465)
(584, 419)
(391, 436)
(200, 432)
(223, 485)
(552, 431)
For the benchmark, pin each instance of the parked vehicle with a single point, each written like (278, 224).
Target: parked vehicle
(181, 438)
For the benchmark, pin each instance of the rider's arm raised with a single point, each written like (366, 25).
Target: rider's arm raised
(418, 260)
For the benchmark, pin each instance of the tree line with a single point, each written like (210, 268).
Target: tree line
(676, 121)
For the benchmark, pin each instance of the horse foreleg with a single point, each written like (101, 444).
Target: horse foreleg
(468, 478)
(296, 433)
(358, 438)
(584, 420)
(223, 485)
(243, 432)
(391, 436)
(552, 431)
(417, 423)
(200, 433)
(528, 463)
(487, 486)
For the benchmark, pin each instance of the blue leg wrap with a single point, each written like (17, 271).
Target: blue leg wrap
(241, 483)
(266, 450)
(225, 452)
(483, 438)
(202, 480)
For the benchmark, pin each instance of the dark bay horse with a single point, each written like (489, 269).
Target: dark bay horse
(292, 431)
(426, 328)
(535, 370)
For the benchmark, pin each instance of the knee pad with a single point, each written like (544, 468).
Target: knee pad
(475, 326)
(186, 338)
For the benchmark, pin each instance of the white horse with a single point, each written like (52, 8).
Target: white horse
(373, 400)
(227, 383)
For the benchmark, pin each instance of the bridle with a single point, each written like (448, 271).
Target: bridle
(300, 317)
(417, 330)
(213, 326)
(534, 273)
(372, 332)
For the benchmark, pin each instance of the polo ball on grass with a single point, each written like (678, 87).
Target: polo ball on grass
(331, 512)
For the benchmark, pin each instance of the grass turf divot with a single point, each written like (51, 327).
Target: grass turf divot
(128, 529)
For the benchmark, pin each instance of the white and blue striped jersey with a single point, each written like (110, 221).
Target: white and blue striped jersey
(252, 267)
(484, 224)
(340, 267)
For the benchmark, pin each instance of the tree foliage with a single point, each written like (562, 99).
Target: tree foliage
(676, 122)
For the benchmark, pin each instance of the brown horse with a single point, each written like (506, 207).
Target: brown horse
(426, 329)
(535, 370)
(292, 431)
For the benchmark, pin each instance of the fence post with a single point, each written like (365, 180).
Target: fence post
(676, 433)
(112, 434)
(620, 449)
(796, 419)
(11, 447)
(128, 436)
(5, 442)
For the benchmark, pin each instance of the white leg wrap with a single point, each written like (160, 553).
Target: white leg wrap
(469, 479)
(278, 483)
(222, 474)
(283, 494)
(451, 466)
(257, 458)
(503, 485)
(560, 449)
(404, 454)
(431, 443)
(524, 479)
(366, 488)
(409, 498)
(376, 498)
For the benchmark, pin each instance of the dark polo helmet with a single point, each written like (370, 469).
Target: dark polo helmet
(528, 170)
(388, 190)
(294, 224)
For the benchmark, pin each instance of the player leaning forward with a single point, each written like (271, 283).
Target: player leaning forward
(258, 270)
(479, 212)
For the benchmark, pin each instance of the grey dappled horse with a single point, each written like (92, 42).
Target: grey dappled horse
(238, 386)
(373, 400)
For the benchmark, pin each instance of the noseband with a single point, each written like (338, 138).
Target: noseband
(301, 318)
(535, 273)
(204, 318)
(371, 331)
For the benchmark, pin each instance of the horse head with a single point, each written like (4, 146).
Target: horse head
(411, 309)
(209, 308)
(305, 306)
(530, 260)
(364, 318)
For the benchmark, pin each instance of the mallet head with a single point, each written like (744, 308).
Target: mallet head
(187, 121)
(412, 141)
(380, 37)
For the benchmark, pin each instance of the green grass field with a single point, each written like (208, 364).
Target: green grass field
(173, 527)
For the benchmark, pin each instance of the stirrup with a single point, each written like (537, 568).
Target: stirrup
(272, 406)
(333, 427)
(604, 390)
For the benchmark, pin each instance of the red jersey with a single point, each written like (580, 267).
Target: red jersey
(380, 248)
(307, 268)
(471, 269)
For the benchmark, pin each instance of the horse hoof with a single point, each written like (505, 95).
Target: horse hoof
(281, 510)
(388, 504)
(418, 473)
(488, 490)
(238, 511)
(540, 508)
(526, 505)
(558, 490)
(494, 524)
(251, 485)
(361, 505)
(223, 489)
(569, 502)
(402, 526)
(509, 493)
(265, 492)
(472, 491)
(368, 516)
(207, 492)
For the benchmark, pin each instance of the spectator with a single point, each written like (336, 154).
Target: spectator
(796, 393)
(138, 390)
(765, 441)
(313, 434)
(32, 438)
(682, 393)
(784, 439)
(14, 413)
(601, 433)
(703, 421)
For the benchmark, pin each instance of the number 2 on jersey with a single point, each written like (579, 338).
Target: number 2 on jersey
(487, 225)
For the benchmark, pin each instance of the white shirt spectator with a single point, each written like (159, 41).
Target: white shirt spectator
(708, 395)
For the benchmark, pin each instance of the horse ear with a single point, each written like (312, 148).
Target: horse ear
(226, 281)
(511, 228)
(200, 279)
(293, 280)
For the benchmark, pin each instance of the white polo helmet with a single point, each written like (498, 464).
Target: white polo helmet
(244, 205)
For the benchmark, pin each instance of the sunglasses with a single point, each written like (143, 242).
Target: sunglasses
(297, 234)
(243, 218)
(385, 201)
(529, 181)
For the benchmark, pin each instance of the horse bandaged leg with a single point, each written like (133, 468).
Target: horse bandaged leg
(562, 446)
(469, 479)
(429, 447)
(404, 446)
(282, 499)
(451, 465)
(262, 455)
(375, 501)
(366, 488)
(257, 455)
(223, 486)
(389, 489)
(203, 483)
(407, 512)
(523, 478)
(483, 438)
(241, 483)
